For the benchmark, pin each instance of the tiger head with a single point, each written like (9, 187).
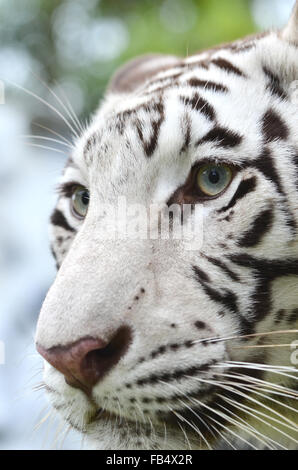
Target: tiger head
(168, 342)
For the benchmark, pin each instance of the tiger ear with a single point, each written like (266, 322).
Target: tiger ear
(290, 32)
(131, 75)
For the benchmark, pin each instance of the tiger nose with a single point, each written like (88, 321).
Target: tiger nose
(85, 362)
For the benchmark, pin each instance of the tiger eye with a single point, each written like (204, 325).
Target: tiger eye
(80, 202)
(213, 179)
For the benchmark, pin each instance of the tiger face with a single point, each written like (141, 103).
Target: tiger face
(152, 342)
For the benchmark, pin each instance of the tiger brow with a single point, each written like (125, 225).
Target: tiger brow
(66, 189)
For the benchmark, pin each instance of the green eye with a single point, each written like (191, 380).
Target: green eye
(213, 179)
(80, 201)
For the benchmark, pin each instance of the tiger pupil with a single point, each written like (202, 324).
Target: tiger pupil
(85, 198)
(214, 176)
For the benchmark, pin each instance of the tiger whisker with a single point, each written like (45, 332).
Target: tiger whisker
(196, 401)
(223, 437)
(151, 425)
(53, 132)
(244, 427)
(70, 108)
(75, 120)
(82, 440)
(49, 424)
(229, 338)
(222, 425)
(48, 105)
(59, 429)
(185, 436)
(238, 392)
(48, 139)
(270, 391)
(64, 437)
(237, 436)
(259, 382)
(120, 411)
(165, 434)
(185, 405)
(255, 366)
(271, 409)
(240, 407)
(253, 412)
(46, 148)
(258, 346)
(191, 425)
(38, 387)
(252, 429)
(199, 417)
(43, 420)
(141, 413)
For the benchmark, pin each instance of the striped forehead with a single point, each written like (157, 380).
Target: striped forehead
(197, 103)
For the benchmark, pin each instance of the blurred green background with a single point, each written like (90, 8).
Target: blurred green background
(80, 43)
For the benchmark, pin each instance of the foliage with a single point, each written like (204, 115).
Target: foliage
(82, 42)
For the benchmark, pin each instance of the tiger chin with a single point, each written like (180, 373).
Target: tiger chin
(152, 344)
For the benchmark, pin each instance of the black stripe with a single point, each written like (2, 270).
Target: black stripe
(280, 315)
(53, 253)
(90, 144)
(55, 257)
(265, 272)
(222, 138)
(59, 220)
(187, 134)
(265, 165)
(197, 393)
(220, 264)
(244, 188)
(293, 317)
(207, 85)
(174, 375)
(150, 146)
(197, 103)
(158, 81)
(295, 161)
(261, 225)
(272, 269)
(228, 299)
(200, 274)
(274, 85)
(273, 127)
(66, 189)
(228, 67)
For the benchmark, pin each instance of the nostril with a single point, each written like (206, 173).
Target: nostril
(98, 362)
(85, 362)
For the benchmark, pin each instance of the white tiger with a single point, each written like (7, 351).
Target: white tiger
(150, 345)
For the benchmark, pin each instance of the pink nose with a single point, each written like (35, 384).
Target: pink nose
(85, 362)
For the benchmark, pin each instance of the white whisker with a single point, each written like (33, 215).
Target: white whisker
(254, 413)
(218, 339)
(54, 133)
(276, 388)
(46, 148)
(75, 121)
(249, 428)
(70, 109)
(48, 139)
(48, 105)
